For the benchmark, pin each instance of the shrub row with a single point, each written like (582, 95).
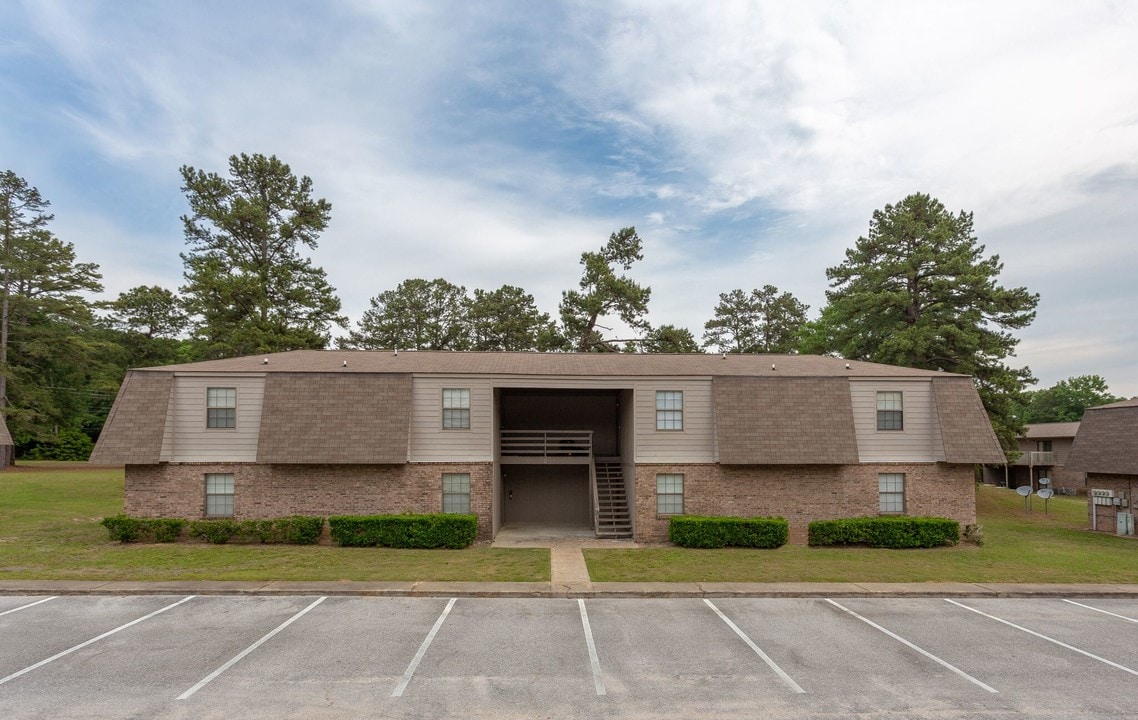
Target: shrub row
(128, 529)
(295, 530)
(404, 531)
(292, 530)
(716, 532)
(885, 532)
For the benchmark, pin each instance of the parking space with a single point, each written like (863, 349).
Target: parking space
(202, 657)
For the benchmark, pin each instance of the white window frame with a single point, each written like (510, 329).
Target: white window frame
(221, 398)
(890, 401)
(456, 408)
(891, 493)
(219, 493)
(456, 493)
(667, 495)
(670, 410)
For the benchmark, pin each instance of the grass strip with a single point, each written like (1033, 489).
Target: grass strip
(1020, 546)
(50, 529)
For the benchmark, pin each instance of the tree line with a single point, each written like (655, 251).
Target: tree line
(917, 290)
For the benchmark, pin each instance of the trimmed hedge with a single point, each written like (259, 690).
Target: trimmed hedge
(440, 530)
(886, 532)
(128, 529)
(693, 531)
(292, 530)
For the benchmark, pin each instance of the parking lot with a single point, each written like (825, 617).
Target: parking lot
(350, 657)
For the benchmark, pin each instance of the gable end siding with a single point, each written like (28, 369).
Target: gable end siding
(793, 421)
(1107, 442)
(965, 428)
(132, 434)
(316, 418)
(918, 441)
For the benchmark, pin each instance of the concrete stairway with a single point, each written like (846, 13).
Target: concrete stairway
(613, 520)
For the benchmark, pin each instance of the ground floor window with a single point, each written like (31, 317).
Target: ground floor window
(891, 493)
(456, 492)
(670, 494)
(219, 495)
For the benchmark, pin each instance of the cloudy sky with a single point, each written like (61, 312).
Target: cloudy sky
(491, 143)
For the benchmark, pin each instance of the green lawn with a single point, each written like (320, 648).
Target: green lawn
(1019, 547)
(49, 530)
(50, 512)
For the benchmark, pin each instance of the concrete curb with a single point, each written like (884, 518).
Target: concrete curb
(571, 589)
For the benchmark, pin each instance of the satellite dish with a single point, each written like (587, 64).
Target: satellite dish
(1044, 481)
(1045, 493)
(1024, 490)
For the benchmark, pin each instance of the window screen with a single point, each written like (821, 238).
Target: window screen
(456, 492)
(221, 407)
(669, 410)
(670, 494)
(890, 412)
(891, 492)
(219, 495)
(456, 408)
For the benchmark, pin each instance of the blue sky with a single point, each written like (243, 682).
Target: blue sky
(491, 143)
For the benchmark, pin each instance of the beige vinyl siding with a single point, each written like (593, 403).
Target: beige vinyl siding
(430, 442)
(167, 454)
(188, 440)
(1062, 448)
(920, 441)
(695, 443)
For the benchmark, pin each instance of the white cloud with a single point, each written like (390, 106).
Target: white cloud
(492, 143)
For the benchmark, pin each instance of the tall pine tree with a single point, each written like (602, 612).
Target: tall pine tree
(247, 285)
(919, 292)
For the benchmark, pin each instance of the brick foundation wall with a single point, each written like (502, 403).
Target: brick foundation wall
(268, 491)
(1121, 485)
(803, 493)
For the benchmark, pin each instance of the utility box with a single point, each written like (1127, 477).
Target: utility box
(1102, 497)
(1125, 523)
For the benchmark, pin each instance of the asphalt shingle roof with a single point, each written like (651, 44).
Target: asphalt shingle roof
(494, 363)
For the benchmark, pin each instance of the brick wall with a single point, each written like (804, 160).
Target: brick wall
(803, 493)
(267, 491)
(1121, 485)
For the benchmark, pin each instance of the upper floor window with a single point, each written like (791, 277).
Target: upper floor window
(1043, 446)
(221, 407)
(890, 411)
(456, 408)
(669, 410)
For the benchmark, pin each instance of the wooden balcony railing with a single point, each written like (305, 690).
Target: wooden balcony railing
(546, 443)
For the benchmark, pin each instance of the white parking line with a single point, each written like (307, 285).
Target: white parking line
(204, 681)
(927, 654)
(398, 691)
(37, 602)
(1088, 607)
(594, 660)
(1044, 637)
(766, 658)
(82, 645)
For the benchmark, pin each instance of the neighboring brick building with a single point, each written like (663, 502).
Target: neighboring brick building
(614, 442)
(1044, 448)
(1106, 449)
